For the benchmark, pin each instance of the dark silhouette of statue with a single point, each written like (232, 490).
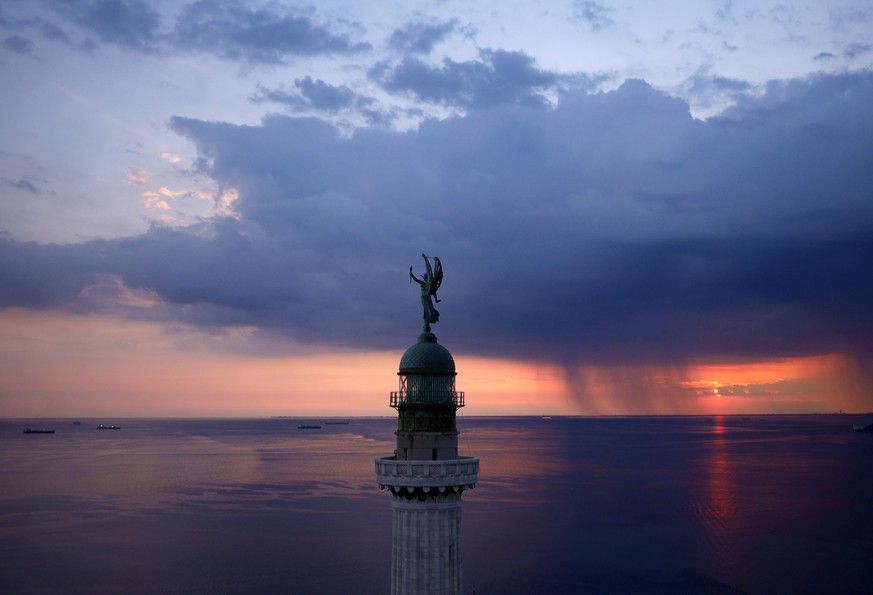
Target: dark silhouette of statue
(430, 282)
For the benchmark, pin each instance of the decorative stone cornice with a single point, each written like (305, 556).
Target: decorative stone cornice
(452, 474)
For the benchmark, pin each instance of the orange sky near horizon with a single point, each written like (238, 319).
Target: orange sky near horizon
(59, 364)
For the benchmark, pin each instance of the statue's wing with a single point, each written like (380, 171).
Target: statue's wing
(427, 267)
(438, 274)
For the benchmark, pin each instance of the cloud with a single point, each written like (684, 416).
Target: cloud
(725, 12)
(593, 13)
(292, 99)
(786, 15)
(41, 28)
(315, 94)
(610, 228)
(54, 33)
(267, 35)
(501, 77)
(18, 44)
(324, 96)
(153, 200)
(854, 50)
(843, 18)
(137, 176)
(227, 29)
(45, 276)
(197, 193)
(129, 24)
(23, 184)
(420, 38)
(706, 90)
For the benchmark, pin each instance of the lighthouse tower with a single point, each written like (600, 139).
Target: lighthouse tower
(426, 476)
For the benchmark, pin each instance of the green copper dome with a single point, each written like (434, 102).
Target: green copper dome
(427, 357)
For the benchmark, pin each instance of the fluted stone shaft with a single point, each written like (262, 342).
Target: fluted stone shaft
(426, 550)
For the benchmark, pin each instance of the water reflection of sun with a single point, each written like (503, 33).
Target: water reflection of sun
(719, 484)
(717, 511)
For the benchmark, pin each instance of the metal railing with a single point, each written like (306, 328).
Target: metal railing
(403, 397)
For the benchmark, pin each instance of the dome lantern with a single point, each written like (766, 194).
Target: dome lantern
(427, 376)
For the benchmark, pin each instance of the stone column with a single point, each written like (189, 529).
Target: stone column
(426, 548)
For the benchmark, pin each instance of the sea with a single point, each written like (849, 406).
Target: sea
(770, 504)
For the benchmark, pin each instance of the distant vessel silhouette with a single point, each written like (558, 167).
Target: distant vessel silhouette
(308, 427)
(102, 427)
(41, 431)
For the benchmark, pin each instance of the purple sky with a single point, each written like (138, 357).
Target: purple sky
(608, 185)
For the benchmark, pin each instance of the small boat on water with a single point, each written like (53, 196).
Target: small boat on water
(867, 428)
(308, 427)
(102, 427)
(38, 431)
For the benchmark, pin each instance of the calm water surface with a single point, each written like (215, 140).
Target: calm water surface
(774, 504)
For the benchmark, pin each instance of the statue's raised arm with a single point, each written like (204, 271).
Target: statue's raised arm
(430, 282)
(413, 277)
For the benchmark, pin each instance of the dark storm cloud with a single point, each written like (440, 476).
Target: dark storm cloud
(234, 31)
(420, 38)
(500, 77)
(611, 228)
(46, 276)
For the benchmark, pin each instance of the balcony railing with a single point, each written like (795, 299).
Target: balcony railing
(455, 398)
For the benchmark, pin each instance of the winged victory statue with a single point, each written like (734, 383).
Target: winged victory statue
(430, 282)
